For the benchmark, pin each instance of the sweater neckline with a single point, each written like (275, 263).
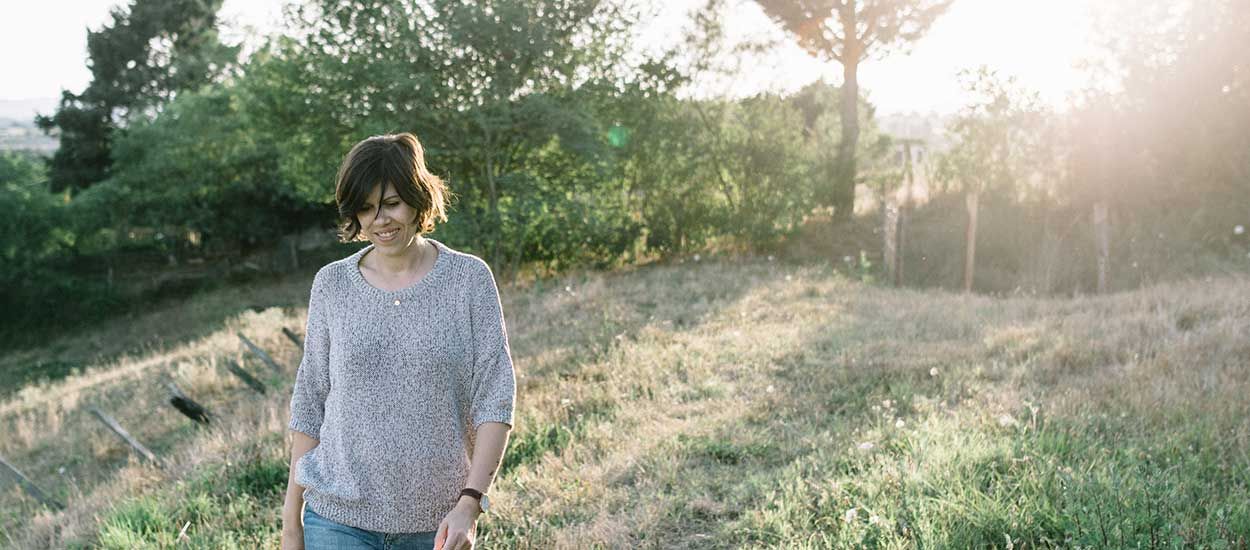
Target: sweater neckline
(426, 280)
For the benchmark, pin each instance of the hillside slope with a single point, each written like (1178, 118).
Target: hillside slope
(730, 403)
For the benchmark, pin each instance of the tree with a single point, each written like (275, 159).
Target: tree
(850, 32)
(996, 142)
(500, 92)
(199, 167)
(150, 51)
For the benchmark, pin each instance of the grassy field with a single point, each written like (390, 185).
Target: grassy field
(726, 403)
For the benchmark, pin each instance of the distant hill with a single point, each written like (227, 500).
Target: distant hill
(18, 131)
(25, 109)
(929, 127)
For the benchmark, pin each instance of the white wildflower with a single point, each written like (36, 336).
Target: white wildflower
(770, 389)
(874, 519)
(933, 371)
(899, 423)
(789, 278)
(770, 257)
(696, 257)
(1006, 421)
(866, 446)
(850, 515)
(1239, 229)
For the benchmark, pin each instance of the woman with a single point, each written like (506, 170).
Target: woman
(404, 398)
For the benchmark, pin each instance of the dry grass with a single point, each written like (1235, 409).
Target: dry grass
(733, 402)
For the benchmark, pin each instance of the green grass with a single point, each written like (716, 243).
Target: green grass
(222, 506)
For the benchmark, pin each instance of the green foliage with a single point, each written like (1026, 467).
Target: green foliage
(38, 235)
(150, 50)
(707, 168)
(200, 167)
(995, 145)
(850, 32)
(28, 232)
(497, 91)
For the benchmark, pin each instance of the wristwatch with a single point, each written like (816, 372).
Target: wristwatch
(483, 503)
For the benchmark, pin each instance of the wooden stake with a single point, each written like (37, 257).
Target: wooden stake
(1103, 238)
(900, 233)
(30, 488)
(186, 405)
(248, 379)
(259, 353)
(121, 432)
(970, 238)
(293, 337)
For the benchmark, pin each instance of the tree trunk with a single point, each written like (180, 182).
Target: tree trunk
(889, 228)
(492, 200)
(844, 185)
(970, 240)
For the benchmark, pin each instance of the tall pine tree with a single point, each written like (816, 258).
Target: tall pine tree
(148, 52)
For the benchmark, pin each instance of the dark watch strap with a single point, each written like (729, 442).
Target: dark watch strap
(476, 494)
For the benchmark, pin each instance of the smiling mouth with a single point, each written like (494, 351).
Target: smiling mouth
(387, 234)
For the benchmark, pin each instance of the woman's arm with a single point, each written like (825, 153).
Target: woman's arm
(292, 523)
(308, 397)
(456, 530)
(488, 447)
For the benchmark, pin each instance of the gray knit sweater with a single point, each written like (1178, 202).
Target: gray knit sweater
(394, 386)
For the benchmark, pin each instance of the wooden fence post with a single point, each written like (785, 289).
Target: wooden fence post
(1103, 238)
(30, 488)
(259, 352)
(890, 231)
(248, 379)
(293, 337)
(186, 405)
(121, 432)
(970, 238)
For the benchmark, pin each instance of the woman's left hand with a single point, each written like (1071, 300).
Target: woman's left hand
(457, 529)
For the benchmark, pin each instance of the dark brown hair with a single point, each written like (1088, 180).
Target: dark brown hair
(397, 160)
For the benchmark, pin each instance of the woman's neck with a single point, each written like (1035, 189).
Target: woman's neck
(398, 262)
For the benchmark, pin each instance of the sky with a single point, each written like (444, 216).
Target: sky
(1041, 43)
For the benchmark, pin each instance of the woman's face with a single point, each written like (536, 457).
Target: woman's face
(391, 227)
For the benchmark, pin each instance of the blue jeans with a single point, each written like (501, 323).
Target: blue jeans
(323, 534)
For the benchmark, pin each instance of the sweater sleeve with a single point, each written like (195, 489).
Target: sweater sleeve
(494, 381)
(312, 380)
